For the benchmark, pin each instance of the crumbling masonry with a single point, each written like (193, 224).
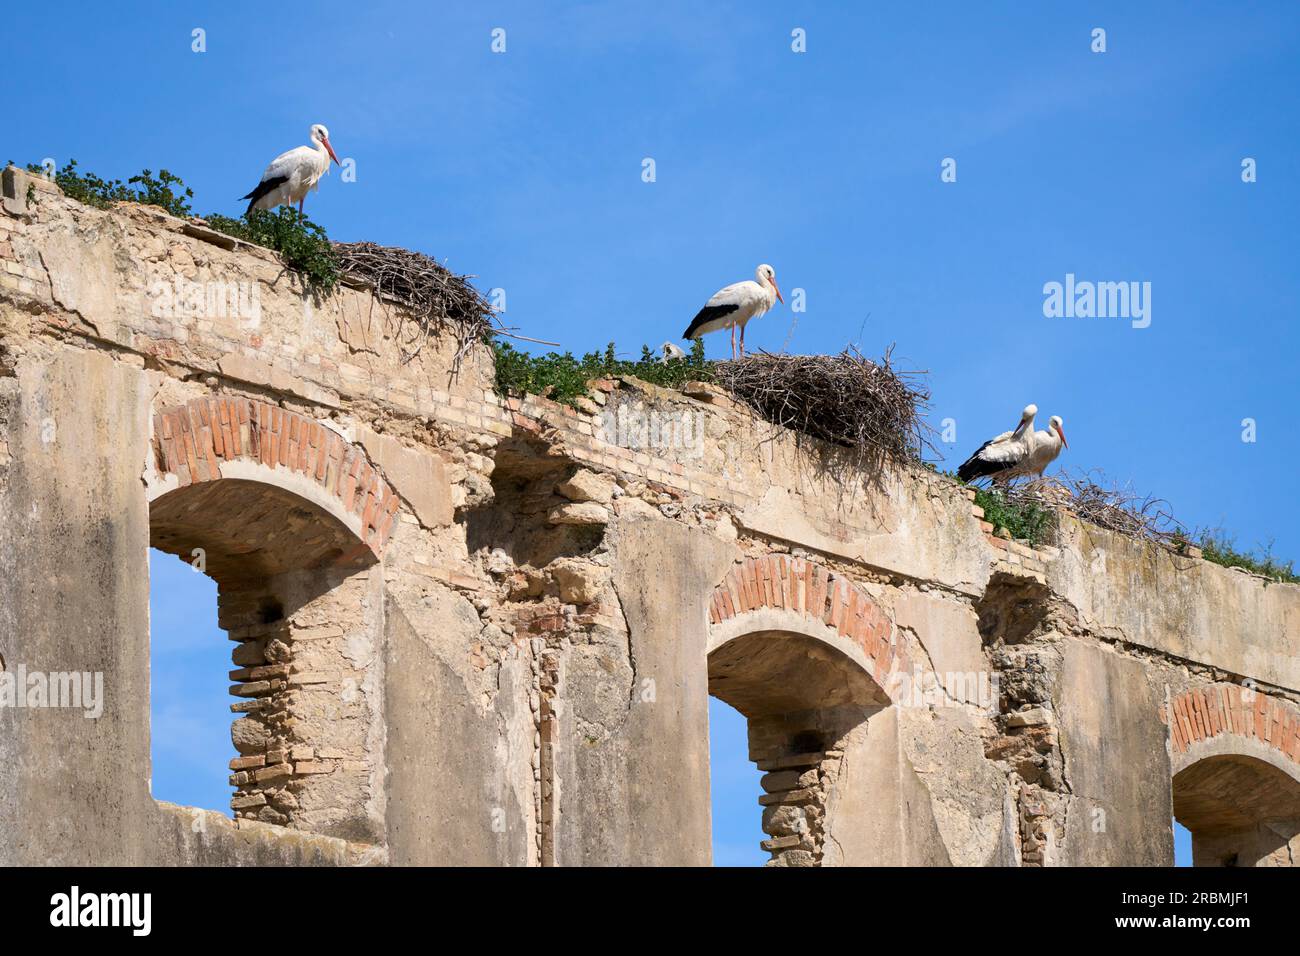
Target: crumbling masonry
(469, 630)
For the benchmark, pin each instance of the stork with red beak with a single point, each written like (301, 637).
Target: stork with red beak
(1047, 446)
(733, 307)
(292, 175)
(1016, 453)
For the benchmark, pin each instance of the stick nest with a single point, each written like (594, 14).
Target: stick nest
(434, 296)
(845, 399)
(1090, 497)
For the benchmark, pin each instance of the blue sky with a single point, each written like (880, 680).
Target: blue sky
(188, 687)
(524, 168)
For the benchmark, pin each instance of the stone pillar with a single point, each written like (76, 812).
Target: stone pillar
(309, 730)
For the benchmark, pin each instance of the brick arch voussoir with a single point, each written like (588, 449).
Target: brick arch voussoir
(816, 593)
(193, 441)
(1233, 711)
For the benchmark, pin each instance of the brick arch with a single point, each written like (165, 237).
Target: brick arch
(818, 598)
(1231, 713)
(226, 436)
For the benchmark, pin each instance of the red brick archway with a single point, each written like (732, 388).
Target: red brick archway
(805, 655)
(1205, 713)
(287, 516)
(815, 594)
(199, 440)
(1235, 775)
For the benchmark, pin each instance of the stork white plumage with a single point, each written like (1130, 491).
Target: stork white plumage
(732, 307)
(1047, 446)
(1005, 456)
(292, 175)
(671, 351)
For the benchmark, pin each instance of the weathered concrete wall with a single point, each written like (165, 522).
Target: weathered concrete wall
(1179, 606)
(1109, 711)
(185, 836)
(480, 631)
(459, 784)
(73, 538)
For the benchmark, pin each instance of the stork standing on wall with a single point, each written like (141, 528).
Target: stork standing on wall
(1005, 456)
(1047, 446)
(292, 175)
(735, 305)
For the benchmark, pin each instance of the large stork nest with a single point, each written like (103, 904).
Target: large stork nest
(845, 399)
(433, 296)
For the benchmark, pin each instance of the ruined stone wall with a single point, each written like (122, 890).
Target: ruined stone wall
(481, 631)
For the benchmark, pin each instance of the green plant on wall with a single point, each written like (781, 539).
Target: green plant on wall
(1220, 548)
(1024, 521)
(562, 377)
(164, 190)
(301, 243)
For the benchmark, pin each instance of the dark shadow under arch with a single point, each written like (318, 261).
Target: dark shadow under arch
(1241, 811)
(801, 697)
(769, 673)
(291, 587)
(251, 530)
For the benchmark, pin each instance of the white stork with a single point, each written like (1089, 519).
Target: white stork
(735, 305)
(1047, 446)
(292, 175)
(671, 351)
(1006, 456)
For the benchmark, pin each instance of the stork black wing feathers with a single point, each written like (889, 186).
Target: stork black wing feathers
(977, 467)
(706, 315)
(264, 187)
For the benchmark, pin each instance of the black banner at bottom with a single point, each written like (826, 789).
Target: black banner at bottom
(563, 906)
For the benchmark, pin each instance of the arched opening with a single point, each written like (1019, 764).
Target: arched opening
(295, 596)
(189, 714)
(1240, 810)
(733, 789)
(802, 700)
